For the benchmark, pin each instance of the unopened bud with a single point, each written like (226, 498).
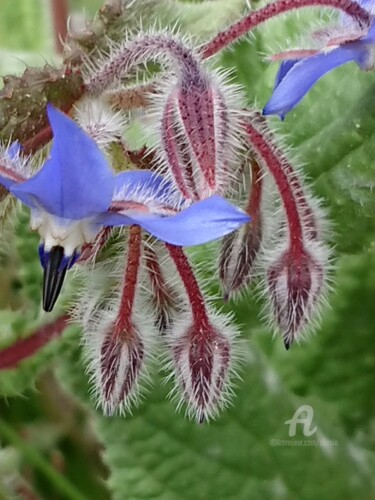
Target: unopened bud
(121, 363)
(198, 133)
(296, 284)
(203, 362)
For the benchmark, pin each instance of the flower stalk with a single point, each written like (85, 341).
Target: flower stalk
(271, 10)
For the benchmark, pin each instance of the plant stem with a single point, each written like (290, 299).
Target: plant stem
(22, 349)
(248, 23)
(281, 171)
(196, 299)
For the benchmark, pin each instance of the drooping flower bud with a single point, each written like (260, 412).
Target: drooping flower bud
(122, 356)
(296, 284)
(238, 253)
(202, 363)
(240, 249)
(165, 295)
(196, 126)
(198, 135)
(202, 349)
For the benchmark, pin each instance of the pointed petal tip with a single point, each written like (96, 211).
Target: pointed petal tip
(268, 111)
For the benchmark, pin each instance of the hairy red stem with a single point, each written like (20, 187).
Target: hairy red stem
(248, 23)
(22, 349)
(253, 206)
(276, 165)
(196, 299)
(60, 23)
(133, 259)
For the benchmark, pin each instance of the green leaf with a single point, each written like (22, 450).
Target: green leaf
(157, 454)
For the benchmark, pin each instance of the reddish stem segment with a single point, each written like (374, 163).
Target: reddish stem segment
(38, 141)
(253, 206)
(169, 139)
(237, 30)
(11, 174)
(275, 162)
(196, 299)
(11, 356)
(133, 259)
(60, 23)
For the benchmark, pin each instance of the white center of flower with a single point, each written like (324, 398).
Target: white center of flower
(67, 233)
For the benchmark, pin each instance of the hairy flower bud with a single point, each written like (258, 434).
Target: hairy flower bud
(100, 121)
(240, 249)
(238, 253)
(198, 135)
(164, 293)
(121, 362)
(202, 362)
(296, 285)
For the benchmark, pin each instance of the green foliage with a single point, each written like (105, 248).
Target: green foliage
(156, 453)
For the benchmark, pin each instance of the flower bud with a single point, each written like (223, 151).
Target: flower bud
(198, 136)
(121, 363)
(202, 362)
(296, 285)
(236, 262)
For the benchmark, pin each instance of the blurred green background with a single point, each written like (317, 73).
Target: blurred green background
(55, 445)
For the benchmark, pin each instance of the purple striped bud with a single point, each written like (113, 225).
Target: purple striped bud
(202, 362)
(296, 285)
(236, 262)
(122, 356)
(240, 249)
(198, 135)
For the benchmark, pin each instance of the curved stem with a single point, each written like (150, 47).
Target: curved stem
(22, 349)
(248, 23)
(286, 182)
(140, 50)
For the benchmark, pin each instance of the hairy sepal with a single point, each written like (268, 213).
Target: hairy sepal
(203, 365)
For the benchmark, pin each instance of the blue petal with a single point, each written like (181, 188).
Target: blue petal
(76, 181)
(284, 69)
(304, 74)
(202, 222)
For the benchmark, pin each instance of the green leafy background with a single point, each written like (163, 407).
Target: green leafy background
(56, 445)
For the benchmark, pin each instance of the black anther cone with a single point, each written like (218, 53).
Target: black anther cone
(53, 278)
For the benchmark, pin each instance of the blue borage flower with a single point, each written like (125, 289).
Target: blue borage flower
(76, 193)
(301, 69)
